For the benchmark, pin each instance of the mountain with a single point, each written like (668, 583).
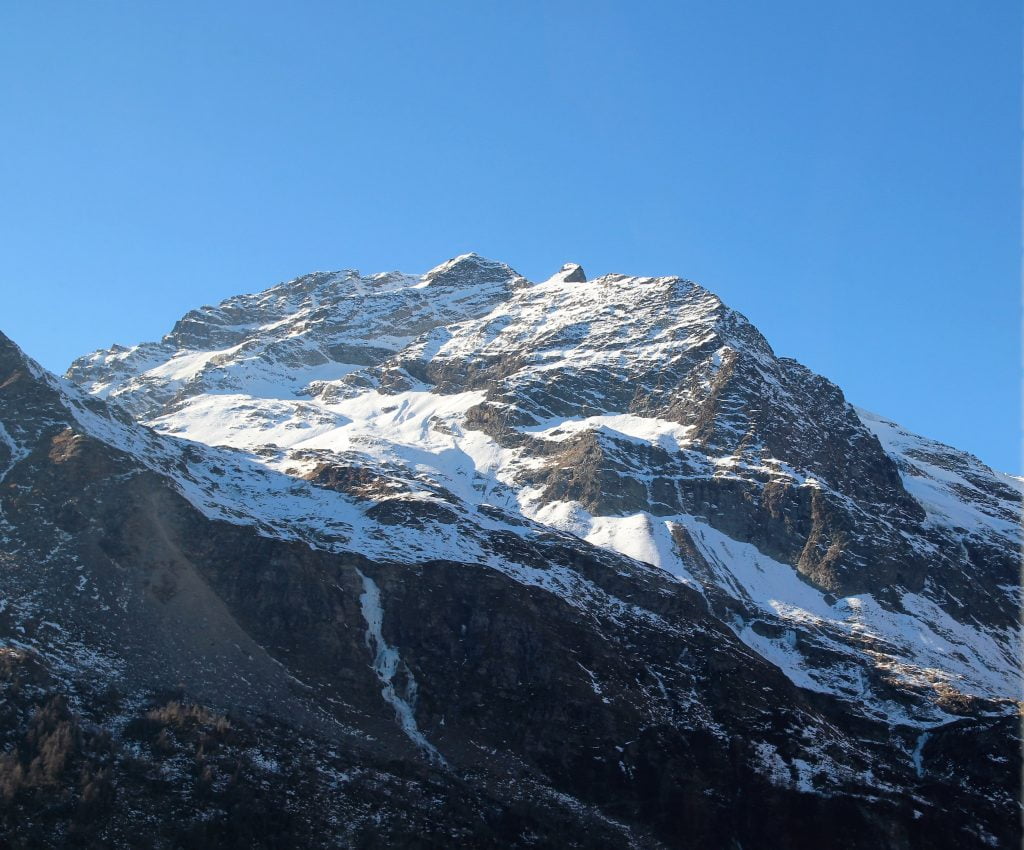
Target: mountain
(464, 559)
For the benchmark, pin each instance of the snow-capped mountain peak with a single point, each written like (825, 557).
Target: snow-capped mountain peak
(639, 413)
(593, 533)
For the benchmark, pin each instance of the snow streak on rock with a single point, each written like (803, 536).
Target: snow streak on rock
(399, 685)
(14, 452)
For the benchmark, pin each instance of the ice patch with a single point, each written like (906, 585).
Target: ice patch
(386, 662)
(916, 756)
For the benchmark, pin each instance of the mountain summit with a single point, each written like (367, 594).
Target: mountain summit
(583, 560)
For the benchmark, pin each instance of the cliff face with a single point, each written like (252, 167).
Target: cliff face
(469, 559)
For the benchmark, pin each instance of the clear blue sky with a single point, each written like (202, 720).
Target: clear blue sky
(847, 174)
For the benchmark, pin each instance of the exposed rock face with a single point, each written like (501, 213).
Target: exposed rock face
(572, 273)
(584, 560)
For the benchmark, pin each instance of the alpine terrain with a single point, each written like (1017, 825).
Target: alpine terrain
(465, 560)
